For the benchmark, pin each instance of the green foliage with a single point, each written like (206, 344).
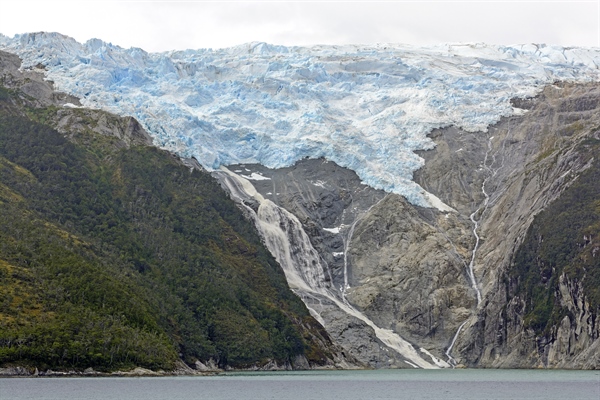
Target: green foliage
(132, 259)
(564, 238)
(5, 94)
(42, 115)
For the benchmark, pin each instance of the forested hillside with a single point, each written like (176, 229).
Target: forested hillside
(114, 254)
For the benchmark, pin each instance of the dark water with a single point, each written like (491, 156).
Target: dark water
(336, 385)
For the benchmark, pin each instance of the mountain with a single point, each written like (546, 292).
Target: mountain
(365, 108)
(432, 207)
(115, 254)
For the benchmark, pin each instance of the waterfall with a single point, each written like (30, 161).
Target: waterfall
(470, 270)
(304, 269)
(483, 208)
(451, 359)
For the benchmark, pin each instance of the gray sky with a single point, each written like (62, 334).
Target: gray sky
(169, 25)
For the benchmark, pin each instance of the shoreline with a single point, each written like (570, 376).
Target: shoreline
(21, 372)
(181, 370)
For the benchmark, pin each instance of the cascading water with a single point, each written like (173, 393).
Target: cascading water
(470, 269)
(347, 239)
(285, 238)
(480, 210)
(475, 222)
(451, 359)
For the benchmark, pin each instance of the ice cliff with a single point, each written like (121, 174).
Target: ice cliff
(367, 108)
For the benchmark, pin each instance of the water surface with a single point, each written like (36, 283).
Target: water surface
(321, 385)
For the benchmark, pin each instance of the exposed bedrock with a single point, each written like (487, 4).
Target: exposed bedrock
(408, 274)
(372, 246)
(30, 81)
(419, 272)
(327, 210)
(326, 198)
(528, 162)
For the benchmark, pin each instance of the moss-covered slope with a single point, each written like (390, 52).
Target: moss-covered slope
(563, 240)
(115, 255)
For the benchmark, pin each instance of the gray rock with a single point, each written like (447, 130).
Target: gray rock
(209, 366)
(14, 371)
(38, 91)
(408, 267)
(530, 161)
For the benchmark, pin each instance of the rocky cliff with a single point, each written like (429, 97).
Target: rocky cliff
(115, 254)
(537, 170)
(456, 284)
(504, 271)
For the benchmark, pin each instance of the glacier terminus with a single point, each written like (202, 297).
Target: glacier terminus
(393, 184)
(367, 108)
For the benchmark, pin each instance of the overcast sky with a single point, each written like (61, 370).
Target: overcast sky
(170, 24)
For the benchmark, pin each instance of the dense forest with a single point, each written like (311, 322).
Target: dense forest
(114, 256)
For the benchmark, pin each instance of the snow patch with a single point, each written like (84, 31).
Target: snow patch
(519, 111)
(435, 202)
(255, 176)
(436, 361)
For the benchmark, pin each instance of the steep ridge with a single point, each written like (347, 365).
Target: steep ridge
(455, 284)
(450, 268)
(114, 254)
(528, 166)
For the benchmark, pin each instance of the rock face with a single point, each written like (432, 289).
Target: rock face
(575, 342)
(446, 281)
(392, 261)
(408, 275)
(532, 161)
(70, 120)
(38, 91)
(326, 198)
(39, 125)
(327, 201)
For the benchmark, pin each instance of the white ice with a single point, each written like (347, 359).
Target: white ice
(367, 108)
(256, 177)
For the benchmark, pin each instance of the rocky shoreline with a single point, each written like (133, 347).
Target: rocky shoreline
(180, 370)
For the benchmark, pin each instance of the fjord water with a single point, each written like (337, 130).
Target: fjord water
(321, 385)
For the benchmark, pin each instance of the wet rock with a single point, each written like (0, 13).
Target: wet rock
(14, 371)
(407, 268)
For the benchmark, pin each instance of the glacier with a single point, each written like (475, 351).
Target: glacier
(366, 108)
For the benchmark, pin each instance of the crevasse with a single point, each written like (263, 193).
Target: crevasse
(367, 108)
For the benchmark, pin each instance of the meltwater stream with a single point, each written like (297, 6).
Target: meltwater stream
(491, 172)
(347, 240)
(285, 238)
